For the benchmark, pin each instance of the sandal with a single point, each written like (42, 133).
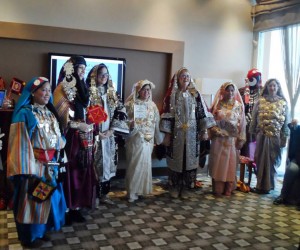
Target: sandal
(198, 184)
(241, 186)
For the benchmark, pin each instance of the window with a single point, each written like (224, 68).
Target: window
(270, 60)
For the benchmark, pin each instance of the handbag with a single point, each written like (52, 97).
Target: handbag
(96, 114)
(39, 190)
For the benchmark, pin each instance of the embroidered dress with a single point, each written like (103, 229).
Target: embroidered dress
(106, 150)
(104, 96)
(34, 130)
(269, 123)
(187, 126)
(139, 144)
(185, 117)
(71, 98)
(224, 157)
(143, 117)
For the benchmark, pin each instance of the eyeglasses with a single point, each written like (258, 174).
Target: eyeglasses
(184, 76)
(105, 75)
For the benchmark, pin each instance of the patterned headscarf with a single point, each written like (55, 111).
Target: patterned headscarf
(71, 92)
(91, 79)
(92, 84)
(26, 100)
(26, 97)
(169, 100)
(68, 70)
(221, 92)
(137, 87)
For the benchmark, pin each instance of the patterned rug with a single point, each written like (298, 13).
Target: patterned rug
(243, 221)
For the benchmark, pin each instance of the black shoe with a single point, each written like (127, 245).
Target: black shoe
(279, 200)
(259, 191)
(76, 216)
(68, 219)
(46, 238)
(34, 244)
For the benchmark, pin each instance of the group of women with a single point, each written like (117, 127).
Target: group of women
(63, 155)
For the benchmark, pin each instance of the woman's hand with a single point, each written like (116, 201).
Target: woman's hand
(82, 126)
(204, 135)
(102, 136)
(217, 132)
(108, 133)
(105, 134)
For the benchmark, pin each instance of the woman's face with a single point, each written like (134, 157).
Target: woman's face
(81, 71)
(272, 88)
(184, 79)
(42, 95)
(145, 93)
(102, 76)
(229, 93)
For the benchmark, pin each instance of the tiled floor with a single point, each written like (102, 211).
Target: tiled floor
(244, 221)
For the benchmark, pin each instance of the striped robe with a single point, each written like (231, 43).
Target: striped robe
(21, 164)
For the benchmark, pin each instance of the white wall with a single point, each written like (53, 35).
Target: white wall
(217, 33)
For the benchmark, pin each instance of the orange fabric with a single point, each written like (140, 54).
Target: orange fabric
(243, 187)
(245, 160)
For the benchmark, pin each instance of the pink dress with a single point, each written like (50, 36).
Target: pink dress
(223, 158)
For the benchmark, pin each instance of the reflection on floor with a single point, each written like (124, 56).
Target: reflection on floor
(244, 221)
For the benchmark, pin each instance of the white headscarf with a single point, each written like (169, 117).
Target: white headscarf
(137, 87)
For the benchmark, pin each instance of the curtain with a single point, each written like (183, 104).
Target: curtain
(270, 14)
(291, 58)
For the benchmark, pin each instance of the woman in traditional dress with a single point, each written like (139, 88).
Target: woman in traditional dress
(227, 138)
(143, 117)
(269, 124)
(36, 140)
(104, 95)
(71, 98)
(185, 120)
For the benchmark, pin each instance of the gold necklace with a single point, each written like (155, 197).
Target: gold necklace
(228, 104)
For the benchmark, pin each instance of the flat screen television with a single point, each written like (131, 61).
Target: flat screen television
(116, 67)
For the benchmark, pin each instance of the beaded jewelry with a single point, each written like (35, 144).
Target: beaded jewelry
(69, 87)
